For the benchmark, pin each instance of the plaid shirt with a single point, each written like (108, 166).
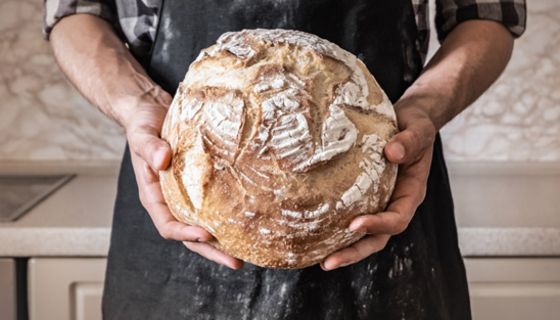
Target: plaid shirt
(136, 20)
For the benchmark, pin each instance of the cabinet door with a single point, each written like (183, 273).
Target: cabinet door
(514, 289)
(8, 289)
(65, 289)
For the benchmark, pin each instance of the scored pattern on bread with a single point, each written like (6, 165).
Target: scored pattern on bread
(284, 126)
(277, 139)
(220, 118)
(373, 166)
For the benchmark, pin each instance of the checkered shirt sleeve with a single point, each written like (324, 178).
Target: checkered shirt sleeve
(511, 13)
(134, 20)
(55, 10)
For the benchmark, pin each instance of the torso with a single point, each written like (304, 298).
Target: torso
(419, 275)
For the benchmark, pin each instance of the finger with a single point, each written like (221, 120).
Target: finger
(410, 191)
(356, 252)
(149, 175)
(142, 171)
(211, 253)
(406, 146)
(166, 224)
(145, 143)
(171, 229)
(152, 199)
(418, 134)
(405, 200)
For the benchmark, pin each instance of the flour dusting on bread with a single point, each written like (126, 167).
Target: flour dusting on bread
(277, 138)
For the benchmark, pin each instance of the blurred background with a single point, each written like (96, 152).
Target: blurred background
(503, 157)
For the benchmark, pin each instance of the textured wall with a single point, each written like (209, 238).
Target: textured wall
(518, 119)
(43, 118)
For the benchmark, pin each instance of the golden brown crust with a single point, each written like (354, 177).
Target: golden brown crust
(277, 141)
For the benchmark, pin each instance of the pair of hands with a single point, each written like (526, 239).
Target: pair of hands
(411, 149)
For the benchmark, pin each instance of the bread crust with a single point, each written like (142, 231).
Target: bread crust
(277, 139)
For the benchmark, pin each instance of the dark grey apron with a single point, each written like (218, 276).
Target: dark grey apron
(419, 275)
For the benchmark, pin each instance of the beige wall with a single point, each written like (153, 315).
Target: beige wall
(43, 118)
(518, 119)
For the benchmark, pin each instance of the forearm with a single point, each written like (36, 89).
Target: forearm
(100, 66)
(470, 59)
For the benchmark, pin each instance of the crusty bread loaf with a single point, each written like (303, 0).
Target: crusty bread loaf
(277, 139)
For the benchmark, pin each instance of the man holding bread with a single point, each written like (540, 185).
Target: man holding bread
(128, 57)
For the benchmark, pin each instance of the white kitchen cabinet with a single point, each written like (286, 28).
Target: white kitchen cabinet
(8, 289)
(65, 288)
(500, 288)
(514, 288)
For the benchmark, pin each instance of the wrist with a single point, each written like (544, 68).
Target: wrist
(437, 104)
(125, 105)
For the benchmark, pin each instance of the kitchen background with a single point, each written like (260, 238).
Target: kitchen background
(44, 118)
(503, 155)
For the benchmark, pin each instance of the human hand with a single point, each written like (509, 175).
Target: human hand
(150, 154)
(412, 150)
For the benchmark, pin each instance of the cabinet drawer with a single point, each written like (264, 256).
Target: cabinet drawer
(65, 289)
(515, 288)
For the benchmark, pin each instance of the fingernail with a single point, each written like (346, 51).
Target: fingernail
(233, 266)
(354, 226)
(159, 158)
(398, 150)
(327, 266)
(203, 239)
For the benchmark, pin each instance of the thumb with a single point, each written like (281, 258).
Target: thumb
(148, 146)
(408, 145)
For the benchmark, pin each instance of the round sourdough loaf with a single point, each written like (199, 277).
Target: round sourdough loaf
(277, 139)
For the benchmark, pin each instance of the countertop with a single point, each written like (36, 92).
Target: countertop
(76, 220)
